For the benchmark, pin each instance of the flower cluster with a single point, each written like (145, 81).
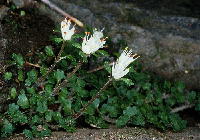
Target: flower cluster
(66, 29)
(92, 43)
(119, 68)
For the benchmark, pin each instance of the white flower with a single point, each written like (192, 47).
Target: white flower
(119, 68)
(92, 44)
(66, 29)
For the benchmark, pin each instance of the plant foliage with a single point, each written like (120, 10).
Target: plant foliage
(135, 100)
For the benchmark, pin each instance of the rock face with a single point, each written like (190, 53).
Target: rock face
(169, 45)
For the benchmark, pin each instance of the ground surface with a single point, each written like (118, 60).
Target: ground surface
(133, 133)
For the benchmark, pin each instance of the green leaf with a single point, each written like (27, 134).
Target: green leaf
(22, 13)
(57, 116)
(180, 97)
(13, 108)
(7, 128)
(96, 103)
(197, 107)
(59, 75)
(138, 120)
(30, 90)
(75, 36)
(83, 55)
(177, 123)
(23, 101)
(127, 81)
(122, 120)
(41, 131)
(77, 45)
(96, 122)
(43, 70)
(146, 86)
(70, 57)
(49, 51)
(20, 76)
(80, 82)
(191, 96)
(90, 110)
(170, 101)
(28, 133)
(42, 106)
(49, 116)
(18, 59)
(149, 98)
(112, 110)
(167, 85)
(13, 93)
(130, 111)
(67, 104)
(35, 120)
(8, 76)
(57, 40)
(102, 52)
(107, 67)
(68, 124)
(180, 86)
(32, 77)
(16, 115)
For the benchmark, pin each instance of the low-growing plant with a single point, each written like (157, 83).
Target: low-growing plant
(58, 89)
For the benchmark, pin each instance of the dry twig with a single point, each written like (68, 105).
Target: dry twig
(59, 10)
(181, 108)
(34, 65)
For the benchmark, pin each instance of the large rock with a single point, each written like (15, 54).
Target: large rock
(169, 45)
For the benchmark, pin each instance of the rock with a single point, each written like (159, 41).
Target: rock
(22, 3)
(3, 11)
(169, 45)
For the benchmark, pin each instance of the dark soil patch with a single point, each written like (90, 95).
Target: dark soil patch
(26, 33)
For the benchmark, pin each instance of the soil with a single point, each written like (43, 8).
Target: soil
(26, 33)
(133, 133)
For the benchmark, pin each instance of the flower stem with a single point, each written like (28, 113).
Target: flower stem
(57, 59)
(63, 84)
(98, 94)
